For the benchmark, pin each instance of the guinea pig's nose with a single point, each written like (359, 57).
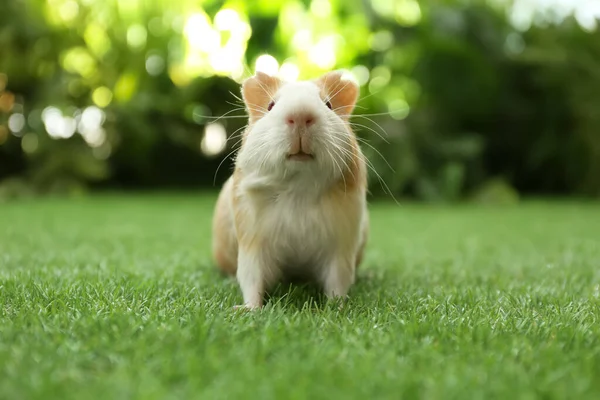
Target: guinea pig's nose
(302, 119)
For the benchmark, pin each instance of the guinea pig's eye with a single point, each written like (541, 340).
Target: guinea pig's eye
(271, 104)
(328, 104)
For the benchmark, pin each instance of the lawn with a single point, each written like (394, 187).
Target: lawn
(115, 297)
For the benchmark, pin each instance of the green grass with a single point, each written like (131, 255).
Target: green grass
(116, 297)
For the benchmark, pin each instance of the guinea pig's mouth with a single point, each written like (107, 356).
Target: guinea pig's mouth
(300, 156)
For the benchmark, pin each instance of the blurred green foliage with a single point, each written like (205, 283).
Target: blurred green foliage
(455, 100)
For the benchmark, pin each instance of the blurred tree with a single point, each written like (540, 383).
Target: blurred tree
(456, 99)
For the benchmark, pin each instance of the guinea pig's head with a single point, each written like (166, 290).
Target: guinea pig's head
(299, 126)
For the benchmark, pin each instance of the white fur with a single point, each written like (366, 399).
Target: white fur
(267, 143)
(283, 202)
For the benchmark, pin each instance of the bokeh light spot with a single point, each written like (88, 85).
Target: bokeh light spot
(323, 53)
(586, 18)
(29, 143)
(7, 101)
(398, 109)
(136, 36)
(376, 84)
(102, 152)
(69, 10)
(289, 71)
(16, 122)
(200, 112)
(155, 64)
(90, 126)
(200, 35)
(408, 12)
(383, 7)
(227, 20)
(95, 137)
(57, 125)
(102, 96)
(125, 86)
(91, 118)
(320, 8)
(267, 64)
(348, 76)
(97, 40)
(178, 75)
(361, 73)
(79, 60)
(178, 24)
(302, 40)
(381, 41)
(214, 140)
(380, 77)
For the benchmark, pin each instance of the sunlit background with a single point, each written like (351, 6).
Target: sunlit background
(459, 99)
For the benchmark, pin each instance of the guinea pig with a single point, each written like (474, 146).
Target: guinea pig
(295, 205)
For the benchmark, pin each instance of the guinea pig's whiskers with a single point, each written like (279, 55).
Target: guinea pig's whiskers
(366, 97)
(374, 122)
(371, 167)
(364, 141)
(243, 104)
(235, 147)
(350, 106)
(357, 125)
(338, 167)
(344, 155)
(226, 115)
(239, 137)
(253, 108)
(338, 146)
(372, 114)
(237, 144)
(362, 126)
(238, 132)
(232, 103)
(266, 90)
(341, 107)
(346, 162)
(340, 89)
(260, 110)
(237, 97)
(384, 185)
(221, 163)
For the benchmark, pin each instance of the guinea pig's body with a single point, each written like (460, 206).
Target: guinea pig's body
(295, 206)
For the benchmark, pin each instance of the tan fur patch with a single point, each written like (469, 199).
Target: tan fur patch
(340, 92)
(258, 92)
(224, 242)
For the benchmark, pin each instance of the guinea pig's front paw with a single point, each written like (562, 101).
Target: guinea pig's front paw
(338, 302)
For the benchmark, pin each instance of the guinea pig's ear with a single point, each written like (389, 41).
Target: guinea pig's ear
(341, 92)
(258, 92)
